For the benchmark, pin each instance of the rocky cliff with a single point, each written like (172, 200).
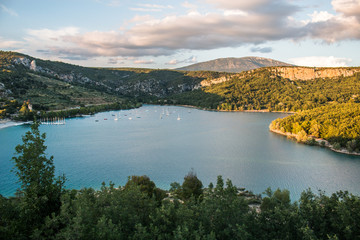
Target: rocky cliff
(291, 73)
(308, 73)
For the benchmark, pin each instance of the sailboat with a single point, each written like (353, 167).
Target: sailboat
(116, 118)
(178, 118)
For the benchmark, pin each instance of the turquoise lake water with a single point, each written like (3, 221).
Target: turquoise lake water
(153, 142)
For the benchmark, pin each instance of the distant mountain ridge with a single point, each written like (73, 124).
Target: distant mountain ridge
(234, 65)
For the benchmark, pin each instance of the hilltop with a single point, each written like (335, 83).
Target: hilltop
(234, 65)
(50, 85)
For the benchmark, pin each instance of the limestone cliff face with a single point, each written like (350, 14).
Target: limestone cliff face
(307, 73)
(209, 82)
(292, 73)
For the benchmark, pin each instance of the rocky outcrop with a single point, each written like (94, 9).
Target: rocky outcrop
(308, 73)
(71, 77)
(23, 61)
(291, 73)
(209, 82)
(33, 65)
(119, 82)
(3, 91)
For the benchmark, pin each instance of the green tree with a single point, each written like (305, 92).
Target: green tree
(40, 190)
(191, 186)
(146, 186)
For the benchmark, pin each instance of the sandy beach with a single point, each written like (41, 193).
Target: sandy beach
(9, 123)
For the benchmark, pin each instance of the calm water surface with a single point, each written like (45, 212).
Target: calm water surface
(237, 146)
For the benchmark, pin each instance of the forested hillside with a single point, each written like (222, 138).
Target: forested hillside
(263, 91)
(25, 78)
(133, 82)
(49, 85)
(24, 93)
(337, 123)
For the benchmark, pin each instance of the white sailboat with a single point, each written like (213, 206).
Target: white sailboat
(178, 118)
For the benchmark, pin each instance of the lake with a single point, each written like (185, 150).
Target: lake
(152, 141)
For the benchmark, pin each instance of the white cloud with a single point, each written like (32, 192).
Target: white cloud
(48, 34)
(166, 36)
(192, 59)
(335, 29)
(344, 25)
(235, 12)
(142, 61)
(155, 6)
(347, 7)
(172, 62)
(150, 7)
(10, 44)
(320, 61)
(137, 9)
(186, 4)
(321, 16)
(191, 7)
(8, 10)
(247, 23)
(231, 4)
(120, 60)
(261, 49)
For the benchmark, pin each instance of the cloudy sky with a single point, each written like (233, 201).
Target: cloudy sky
(175, 33)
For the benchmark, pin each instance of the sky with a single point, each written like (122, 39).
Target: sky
(175, 33)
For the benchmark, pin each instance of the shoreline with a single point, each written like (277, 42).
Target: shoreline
(318, 141)
(216, 110)
(9, 123)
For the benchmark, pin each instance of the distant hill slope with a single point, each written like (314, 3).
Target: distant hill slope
(23, 77)
(234, 65)
(57, 85)
(266, 89)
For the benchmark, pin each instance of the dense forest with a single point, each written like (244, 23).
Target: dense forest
(261, 90)
(337, 123)
(44, 209)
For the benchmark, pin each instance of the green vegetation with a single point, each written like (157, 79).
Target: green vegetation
(57, 86)
(24, 93)
(337, 123)
(40, 191)
(261, 90)
(198, 98)
(44, 210)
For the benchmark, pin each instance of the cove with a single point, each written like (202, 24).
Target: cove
(166, 142)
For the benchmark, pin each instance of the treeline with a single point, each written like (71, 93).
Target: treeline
(196, 98)
(139, 210)
(21, 112)
(44, 209)
(261, 90)
(79, 111)
(337, 123)
(89, 110)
